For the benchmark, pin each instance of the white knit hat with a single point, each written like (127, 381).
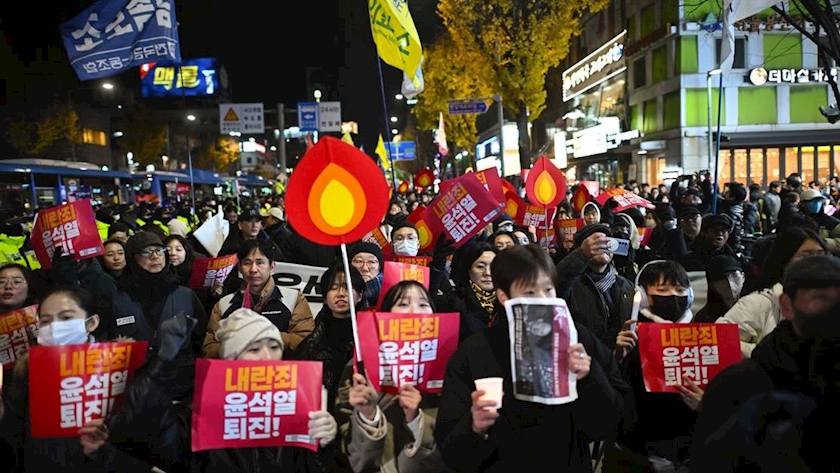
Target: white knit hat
(242, 328)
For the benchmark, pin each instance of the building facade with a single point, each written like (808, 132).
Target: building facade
(770, 126)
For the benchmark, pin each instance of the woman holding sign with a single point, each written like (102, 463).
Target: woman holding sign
(66, 317)
(389, 433)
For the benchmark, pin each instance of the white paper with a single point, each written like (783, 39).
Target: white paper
(541, 331)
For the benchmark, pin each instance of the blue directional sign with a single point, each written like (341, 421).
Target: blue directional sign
(402, 150)
(308, 119)
(467, 107)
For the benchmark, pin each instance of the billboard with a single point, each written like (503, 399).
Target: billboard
(196, 78)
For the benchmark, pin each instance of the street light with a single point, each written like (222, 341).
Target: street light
(394, 119)
(191, 118)
(317, 95)
(395, 131)
(107, 86)
(399, 96)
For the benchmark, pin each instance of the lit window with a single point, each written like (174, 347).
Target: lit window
(93, 137)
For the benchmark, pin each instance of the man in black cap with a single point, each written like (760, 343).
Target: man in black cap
(714, 233)
(598, 297)
(248, 227)
(798, 357)
(689, 222)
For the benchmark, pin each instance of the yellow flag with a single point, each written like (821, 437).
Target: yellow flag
(396, 38)
(383, 154)
(347, 139)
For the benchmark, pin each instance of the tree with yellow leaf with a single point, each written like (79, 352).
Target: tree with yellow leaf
(145, 136)
(220, 155)
(450, 73)
(522, 39)
(50, 135)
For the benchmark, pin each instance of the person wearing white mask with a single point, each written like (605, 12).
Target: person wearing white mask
(404, 239)
(65, 317)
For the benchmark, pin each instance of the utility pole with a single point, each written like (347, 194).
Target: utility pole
(281, 140)
(501, 112)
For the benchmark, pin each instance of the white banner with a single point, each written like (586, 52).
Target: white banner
(306, 279)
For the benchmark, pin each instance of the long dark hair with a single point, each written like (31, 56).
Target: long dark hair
(786, 245)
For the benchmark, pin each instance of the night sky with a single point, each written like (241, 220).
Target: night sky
(265, 46)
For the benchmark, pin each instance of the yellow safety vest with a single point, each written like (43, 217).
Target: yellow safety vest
(162, 227)
(10, 252)
(186, 222)
(103, 230)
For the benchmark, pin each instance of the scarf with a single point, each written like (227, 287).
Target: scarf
(372, 289)
(604, 281)
(486, 299)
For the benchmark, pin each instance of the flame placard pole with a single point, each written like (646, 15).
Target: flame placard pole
(349, 284)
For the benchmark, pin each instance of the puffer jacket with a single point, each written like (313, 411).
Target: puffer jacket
(757, 314)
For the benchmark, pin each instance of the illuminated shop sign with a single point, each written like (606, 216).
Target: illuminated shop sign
(195, 77)
(761, 76)
(604, 63)
(601, 138)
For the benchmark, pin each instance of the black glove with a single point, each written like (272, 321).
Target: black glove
(64, 270)
(173, 334)
(443, 248)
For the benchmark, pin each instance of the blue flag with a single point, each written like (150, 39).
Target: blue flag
(112, 36)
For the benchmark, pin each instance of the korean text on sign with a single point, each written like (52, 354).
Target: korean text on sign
(401, 349)
(455, 209)
(211, 272)
(79, 383)
(255, 403)
(72, 227)
(672, 352)
(18, 331)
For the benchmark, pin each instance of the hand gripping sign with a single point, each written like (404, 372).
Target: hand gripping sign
(255, 403)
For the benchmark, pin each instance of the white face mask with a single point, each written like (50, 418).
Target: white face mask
(63, 332)
(407, 247)
(506, 228)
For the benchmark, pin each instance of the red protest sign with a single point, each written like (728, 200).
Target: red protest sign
(699, 351)
(465, 209)
(394, 272)
(514, 205)
(427, 227)
(545, 184)
(490, 178)
(566, 228)
(624, 198)
(415, 260)
(255, 403)
(72, 227)
(401, 349)
(18, 332)
(546, 239)
(644, 235)
(78, 383)
(533, 215)
(211, 272)
(336, 195)
(379, 239)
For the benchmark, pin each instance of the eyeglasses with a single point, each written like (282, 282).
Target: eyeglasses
(370, 263)
(147, 254)
(16, 282)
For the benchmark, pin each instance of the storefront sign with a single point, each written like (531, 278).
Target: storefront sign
(761, 76)
(604, 63)
(601, 138)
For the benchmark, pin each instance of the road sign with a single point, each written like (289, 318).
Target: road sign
(241, 118)
(307, 116)
(402, 150)
(467, 107)
(319, 116)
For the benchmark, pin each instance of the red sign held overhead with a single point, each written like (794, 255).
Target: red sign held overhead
(336, 195)
(545, 185)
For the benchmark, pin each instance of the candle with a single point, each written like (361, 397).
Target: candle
(637, 303)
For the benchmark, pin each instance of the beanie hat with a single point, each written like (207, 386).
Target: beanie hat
(242, 328)
(588, 230)
(141, 240)
(366, 247)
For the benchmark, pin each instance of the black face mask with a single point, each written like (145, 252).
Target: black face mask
(670, 308)
(821, 328)
(393, 219)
